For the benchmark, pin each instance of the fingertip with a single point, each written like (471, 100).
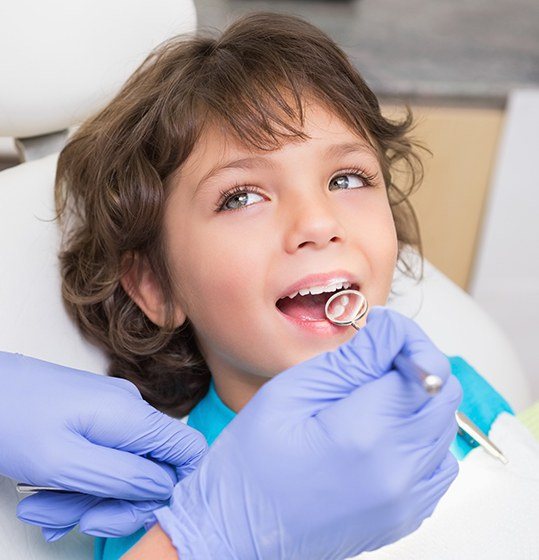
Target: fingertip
(196, 452)
(187, 447)
(153, 482)
(25, 511)
(120, 474)
(49, 534)
(93, 521)
(456, 390)
(448, 469)
(427, 357)
(451, 394)
(117, 518)
(53, 535)
(150, 521)
(98, 533)
(376, 311)
(173, 472)
(453, 465)
(158, 486)
(20, 512)
(123, 383)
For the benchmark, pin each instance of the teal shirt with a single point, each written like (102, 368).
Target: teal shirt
(481, 403)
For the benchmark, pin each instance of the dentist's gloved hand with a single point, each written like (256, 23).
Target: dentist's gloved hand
(335, 456)
(87, 433)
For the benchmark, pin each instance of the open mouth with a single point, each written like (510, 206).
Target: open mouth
(309, 307)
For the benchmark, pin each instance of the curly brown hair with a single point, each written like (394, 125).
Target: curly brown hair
(112, 179)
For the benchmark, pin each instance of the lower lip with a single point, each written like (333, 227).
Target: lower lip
(322, 328)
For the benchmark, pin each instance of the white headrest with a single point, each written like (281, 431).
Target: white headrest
(34, 321)
(61, 60)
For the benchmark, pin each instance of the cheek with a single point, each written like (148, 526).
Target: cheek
(220, 274)
(384, 243)
(377, 241)
(385, 261)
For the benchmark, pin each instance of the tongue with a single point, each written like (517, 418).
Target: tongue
(306, 308)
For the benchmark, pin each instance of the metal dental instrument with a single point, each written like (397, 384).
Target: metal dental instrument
(29, 489)
(347, 307)
(469, 431)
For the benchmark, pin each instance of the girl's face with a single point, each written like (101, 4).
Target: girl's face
(304, 209)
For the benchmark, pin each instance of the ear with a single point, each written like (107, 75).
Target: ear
(141, 285)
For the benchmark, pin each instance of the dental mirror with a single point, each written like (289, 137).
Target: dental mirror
(347, 307)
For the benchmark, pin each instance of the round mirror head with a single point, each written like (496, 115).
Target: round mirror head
(346, 307)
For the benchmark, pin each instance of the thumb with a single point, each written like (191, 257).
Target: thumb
(363, 414)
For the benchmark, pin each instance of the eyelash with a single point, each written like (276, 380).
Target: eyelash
(225, 194)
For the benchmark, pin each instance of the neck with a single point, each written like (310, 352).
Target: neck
(237, 389)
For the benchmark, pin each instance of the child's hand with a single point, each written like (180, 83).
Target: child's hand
(334, 457)
(87, 433)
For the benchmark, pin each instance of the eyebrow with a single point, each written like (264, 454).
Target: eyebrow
(333, 151)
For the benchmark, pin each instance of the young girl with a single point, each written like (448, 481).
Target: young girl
(228, 175)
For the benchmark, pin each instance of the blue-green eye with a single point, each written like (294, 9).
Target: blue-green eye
(348, 181)
(239, 195)
(239, 200)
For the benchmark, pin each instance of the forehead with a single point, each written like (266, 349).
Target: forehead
(326, 134)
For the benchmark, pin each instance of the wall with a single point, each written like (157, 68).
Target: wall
(451, 200)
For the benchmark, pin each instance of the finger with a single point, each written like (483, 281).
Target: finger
(141, 429)
(367, 356)
(426, 496)
(117, 518)
(429, 421)
(428, 458)
(55, 510)
(53, 535)
(362, 416)
(364, 419)
(431, 489)
(403, 335)
(110, 473)
(408, 513)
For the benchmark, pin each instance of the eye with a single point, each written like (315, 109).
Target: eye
(350, 180)
(236, 198)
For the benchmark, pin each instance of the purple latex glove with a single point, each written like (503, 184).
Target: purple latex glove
(92, 434)
(338, 455)
(58, 513)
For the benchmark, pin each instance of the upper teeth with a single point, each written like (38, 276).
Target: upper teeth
(319, 289)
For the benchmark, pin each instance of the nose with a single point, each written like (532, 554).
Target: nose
(313, 221)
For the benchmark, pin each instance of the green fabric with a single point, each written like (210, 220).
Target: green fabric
(530, 419)
(481, 403)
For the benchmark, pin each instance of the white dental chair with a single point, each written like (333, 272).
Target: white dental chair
(62, 60)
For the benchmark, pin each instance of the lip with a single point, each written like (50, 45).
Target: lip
(323, 328)
(321, 279)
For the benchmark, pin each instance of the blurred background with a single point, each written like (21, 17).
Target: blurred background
(470, 72)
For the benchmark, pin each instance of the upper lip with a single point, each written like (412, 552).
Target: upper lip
(320, 279)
